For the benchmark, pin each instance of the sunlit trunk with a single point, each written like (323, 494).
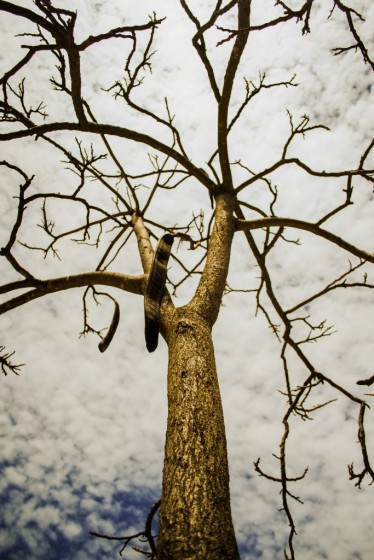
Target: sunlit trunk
(195, 514)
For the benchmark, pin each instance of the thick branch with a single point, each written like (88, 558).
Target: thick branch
(244, 225)
(223, 107)
(113, 130)
(133, 284)
(199, 42)
(207, 299)
(146, 251)
(30, 15)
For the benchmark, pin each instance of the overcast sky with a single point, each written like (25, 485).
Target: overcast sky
(82, 433)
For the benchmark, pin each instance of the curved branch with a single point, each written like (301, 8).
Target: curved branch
(199, 42)
(246, 225)
(223, 106)
(289, 15)
(104, 343)
(133, 284)
(20, 64)
(113, 130)
(145, 248)
(208, 295)
(31, 16)
(117, 32)
(63, 34)
(288, 161)
(359, 43)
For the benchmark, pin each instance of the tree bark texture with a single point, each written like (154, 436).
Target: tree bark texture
(195, 515)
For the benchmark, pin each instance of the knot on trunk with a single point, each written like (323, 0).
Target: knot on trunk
(183, 327)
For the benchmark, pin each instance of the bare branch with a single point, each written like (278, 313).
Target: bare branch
(223, 107)
(359, 44)
(246, 225)
(133, 284)
(112, 130)
(369, 381)
(290, 14)
(367, 174)
(6, 364)
(143, 536)
(339, 282)
(198, 40)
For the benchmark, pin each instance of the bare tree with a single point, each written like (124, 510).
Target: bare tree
(115, 205)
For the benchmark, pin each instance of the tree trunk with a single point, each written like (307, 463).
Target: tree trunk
(195, 514)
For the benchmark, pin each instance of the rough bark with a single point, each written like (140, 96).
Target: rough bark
(195, 514)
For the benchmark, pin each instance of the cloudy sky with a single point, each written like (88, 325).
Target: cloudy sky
(82, 433)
